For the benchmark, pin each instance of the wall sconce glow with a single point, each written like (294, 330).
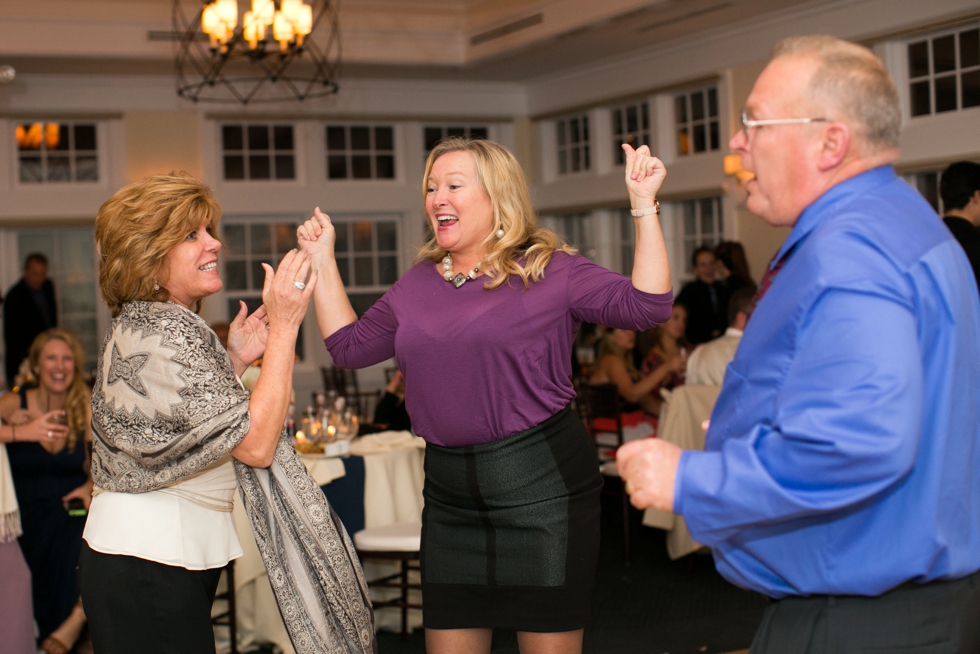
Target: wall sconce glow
(733, 166)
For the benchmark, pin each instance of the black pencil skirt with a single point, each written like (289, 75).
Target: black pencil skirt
(510, 530)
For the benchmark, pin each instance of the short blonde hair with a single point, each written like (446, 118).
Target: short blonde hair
(504, 182)
(78, 397)
(850, 79)
(139, 225)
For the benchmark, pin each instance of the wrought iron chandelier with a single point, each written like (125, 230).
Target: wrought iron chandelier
(279, 50)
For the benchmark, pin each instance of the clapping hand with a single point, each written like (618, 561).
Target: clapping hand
(247, 336)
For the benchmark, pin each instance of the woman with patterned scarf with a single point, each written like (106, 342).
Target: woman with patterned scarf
(175, 433)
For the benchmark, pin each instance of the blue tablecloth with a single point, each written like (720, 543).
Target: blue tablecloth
(346, 495)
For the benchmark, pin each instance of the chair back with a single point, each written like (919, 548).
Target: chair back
(604, 420)
(344, 383)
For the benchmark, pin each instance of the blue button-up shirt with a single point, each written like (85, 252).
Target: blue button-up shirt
(843, 453)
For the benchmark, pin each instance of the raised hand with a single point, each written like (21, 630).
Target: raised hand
(247, 336)
(317, 236)
(644, 175)
(285, 295)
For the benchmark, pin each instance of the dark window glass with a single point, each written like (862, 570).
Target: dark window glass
(337, 166)
(360, 165)
(707, 216)
(970, 48)
(715, 136)
(573, 131)
(587, 159)
(387, 237)
(258, 167)
(386, 166)
(618, 121)
(234, 239)
(699, 138)
(231, 137)
(384, 138)
(479, 133)
(85, 137)
(336, 139)
(234, 166)
(712, 103)
(343, 265)
(258, 137)
(341, 231)
(456, 131)
(362, 236)
(576, 160)
(285, 166)
(921, 105)
(86, 169)
(697, 106)
(944, 54)
(61, 142)
(680, 109)
(645, 116)
(432, 135)
(59, 169)
(361, 302)
(919, 59)
(632, 120)
(236, 277)
(30, 170)
(561, 132)
(282, 136)
(945, 93)
(29, 143)
(928, 185)
(683, 142)
(970, 84)
(360, 138)
(261, 239)
(285, 237)
(618, 153)
(363, 271)
(585, 128)
(387, 270)
(258, 275)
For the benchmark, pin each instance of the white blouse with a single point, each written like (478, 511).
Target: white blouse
(188, 524)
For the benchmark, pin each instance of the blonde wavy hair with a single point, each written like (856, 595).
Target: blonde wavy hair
(78, 397)
(608, 346)
(504, 182)
(139, 225)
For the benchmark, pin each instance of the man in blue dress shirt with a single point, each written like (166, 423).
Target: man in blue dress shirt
(841, 470)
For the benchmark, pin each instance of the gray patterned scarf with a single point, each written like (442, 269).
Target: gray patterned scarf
(167, 404)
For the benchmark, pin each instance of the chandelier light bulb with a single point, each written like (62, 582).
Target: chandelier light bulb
(282, 31)
(304, 22)
(264, 10)
(228, 12)
(290, 9)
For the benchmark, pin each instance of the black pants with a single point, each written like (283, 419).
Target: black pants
(937, 618)
(134, 605)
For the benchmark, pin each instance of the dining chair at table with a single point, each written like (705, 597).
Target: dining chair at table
(345, 384)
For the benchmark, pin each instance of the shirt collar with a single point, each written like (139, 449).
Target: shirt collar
(834, 196)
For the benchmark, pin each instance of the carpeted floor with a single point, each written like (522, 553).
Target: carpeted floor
(655, 605)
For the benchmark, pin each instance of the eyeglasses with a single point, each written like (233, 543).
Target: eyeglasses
(746, 123)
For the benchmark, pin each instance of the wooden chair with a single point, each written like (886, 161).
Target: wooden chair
(400, 542)
(603, 408)
(344, 383)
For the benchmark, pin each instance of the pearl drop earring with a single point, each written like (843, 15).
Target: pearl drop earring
(500, 233)
(156, 287)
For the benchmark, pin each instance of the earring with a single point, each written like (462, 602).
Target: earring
(500, 233)
(156, 287)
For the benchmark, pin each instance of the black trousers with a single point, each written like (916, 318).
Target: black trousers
(134, 605)
(936, 618)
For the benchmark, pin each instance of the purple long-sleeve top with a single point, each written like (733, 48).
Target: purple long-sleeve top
(481, 365)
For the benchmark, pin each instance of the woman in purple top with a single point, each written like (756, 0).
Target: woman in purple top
(482, 328)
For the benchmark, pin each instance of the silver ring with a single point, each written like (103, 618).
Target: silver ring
(299, 285)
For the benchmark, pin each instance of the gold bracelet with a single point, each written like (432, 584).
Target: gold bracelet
(649, 211)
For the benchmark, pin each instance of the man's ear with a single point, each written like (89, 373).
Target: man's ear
(835, 145)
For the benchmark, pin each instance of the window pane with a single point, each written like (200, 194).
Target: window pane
(690, 222)
(85, 137)
(561, 132)
(970, 83)
(715, 136)
(617, 116)
(76, 254)
(919, 59)
(285, 168)
(574, 136)
(261, 239)
(30, 170)
(56, 137)
(712, 102)
(943, 54)
(387, 270)
(697, 105)
(586, 159)
(431, 136)
(258, 275)
(707, 216)
(285, 237)
(360, 138)
(970, 48)
(387, 237)
(683, 142)
(928, 185)
(236, 279)
(363, 271)
(336, 139)
(576, 160)
(585, 128)
(282, 136)
(456, 131)
(234, 166)
(86, 169)
(921, 105)
(386, 166)
(59, 169)
(258, 137)
(645, 116)
(680, 109)
(259, 167)
(945, 93)
(231, 137)
(384, 138)
(343, 264)
(618, 153)
(29, 137)
(632, 120)
(479, 133)
(234, 239)
(689, 247)
(341, 231)
(362, 236)
(337, 166)
(699, 138)
(361, 302)
(360, 165)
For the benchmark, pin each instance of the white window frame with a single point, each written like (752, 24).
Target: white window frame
(378, 288)
(100, 154)
(687, 242)
(690, 124)
(246, 153)
(577, 229)
(919, 178)
(457, 129)
(567, 149)
(636, 137)
(956, 73)
(372, 152)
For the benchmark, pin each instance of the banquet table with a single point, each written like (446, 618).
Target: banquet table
(378, 484)
(681, 417)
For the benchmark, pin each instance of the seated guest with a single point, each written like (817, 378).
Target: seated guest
(732, 269)
(47, 475)
(704, 299)
(708, 362)
(959, 188)
(391, 407)
(668, 350)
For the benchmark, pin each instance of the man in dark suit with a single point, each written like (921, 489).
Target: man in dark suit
(28, 310)
(959, 188)
(704, 299)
